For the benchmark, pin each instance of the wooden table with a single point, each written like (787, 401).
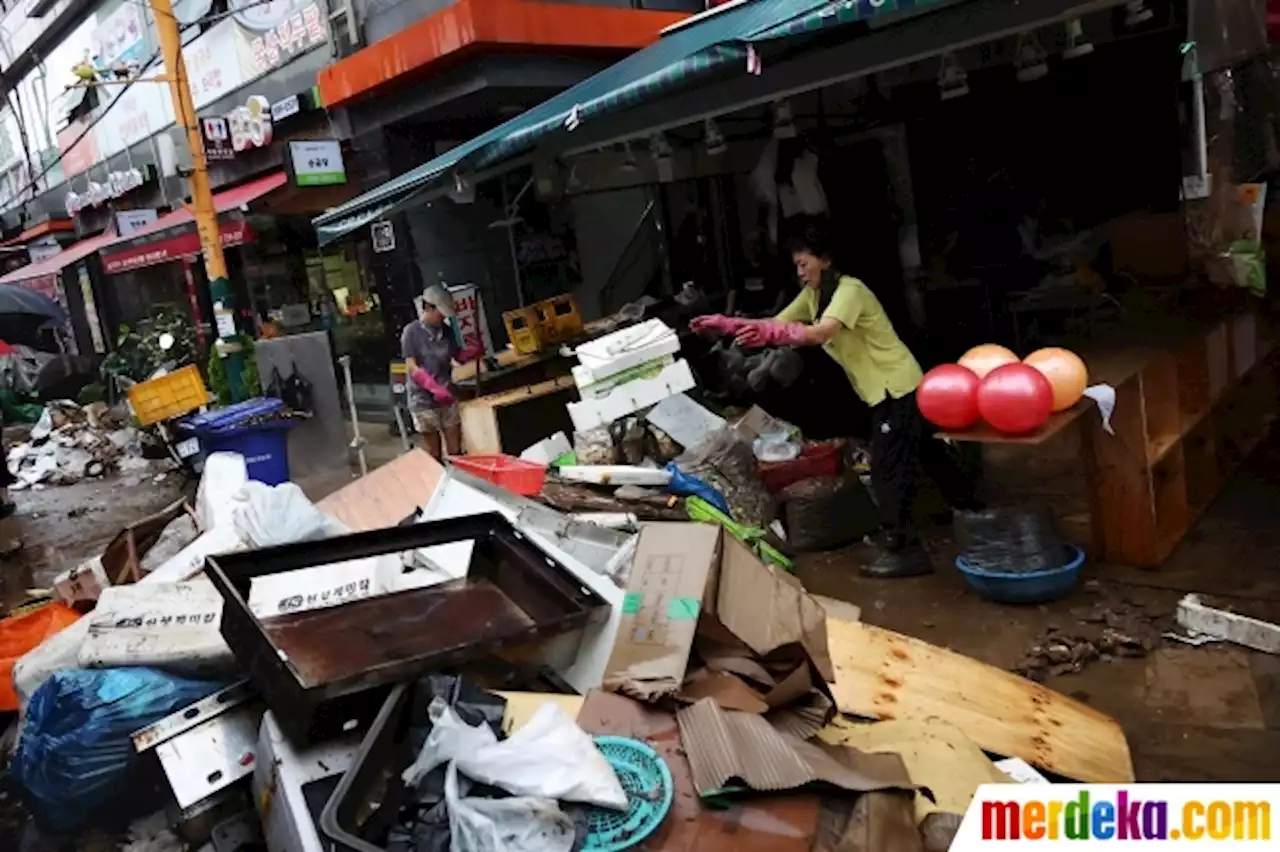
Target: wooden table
(1190, 407)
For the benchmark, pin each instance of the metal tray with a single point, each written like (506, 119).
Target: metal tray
(326, 671)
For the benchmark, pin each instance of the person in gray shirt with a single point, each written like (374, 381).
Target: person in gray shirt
(429, 349)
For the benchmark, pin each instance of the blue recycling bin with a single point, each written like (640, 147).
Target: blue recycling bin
(265, 446)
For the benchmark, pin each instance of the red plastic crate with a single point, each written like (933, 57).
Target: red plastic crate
(522, 477)
(821, 458)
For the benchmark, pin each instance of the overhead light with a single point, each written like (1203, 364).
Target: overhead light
(784, 126)
(464, 191)
(1077, 44)
(953, 82)
(628, 158)
(1136, 12)
(714, 138)
(1030, 60)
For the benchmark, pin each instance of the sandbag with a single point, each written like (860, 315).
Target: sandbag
(76, 755)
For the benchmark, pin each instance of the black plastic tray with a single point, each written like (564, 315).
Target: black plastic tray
(326, 671)
(379, 760)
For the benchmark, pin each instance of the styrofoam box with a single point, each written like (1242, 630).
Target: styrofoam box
(633, 396)
(621, 350)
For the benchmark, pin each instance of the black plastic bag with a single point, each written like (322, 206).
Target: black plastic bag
(1010, 540)
(297, 392)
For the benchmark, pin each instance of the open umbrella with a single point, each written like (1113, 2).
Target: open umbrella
(19, 300)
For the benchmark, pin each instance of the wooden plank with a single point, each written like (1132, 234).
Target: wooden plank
(386, 496)
(983, 433)
(885, 675)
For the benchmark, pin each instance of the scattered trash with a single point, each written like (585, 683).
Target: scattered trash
(19, 634)
(1021, 771)
(70, 443)
(1219, 624)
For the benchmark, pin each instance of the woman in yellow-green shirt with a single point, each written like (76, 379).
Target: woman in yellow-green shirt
(840, 314)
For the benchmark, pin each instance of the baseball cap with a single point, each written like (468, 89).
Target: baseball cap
(439, 298)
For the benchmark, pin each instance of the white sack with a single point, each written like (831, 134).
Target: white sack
(519, 824)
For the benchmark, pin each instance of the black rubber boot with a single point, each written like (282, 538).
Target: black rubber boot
(891, 556)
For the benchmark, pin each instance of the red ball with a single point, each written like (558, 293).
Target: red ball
(1015, 399)
(948, 396)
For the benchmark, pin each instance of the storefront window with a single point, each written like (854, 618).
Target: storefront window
(346, 301)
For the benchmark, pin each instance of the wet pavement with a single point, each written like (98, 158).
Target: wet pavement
(1209, 713)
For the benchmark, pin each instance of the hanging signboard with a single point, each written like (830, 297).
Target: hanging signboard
(317, 162)
(129, 222)
(217, 139)
(286, 107)
(384, 237)
(43, 249)
(469, 316)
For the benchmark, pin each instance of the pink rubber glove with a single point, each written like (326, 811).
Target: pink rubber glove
(440, 394)
(716, 324)
(471, 352)
(759, 333)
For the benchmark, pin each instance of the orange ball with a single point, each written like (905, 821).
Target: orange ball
(1067, 374)
(987, 357)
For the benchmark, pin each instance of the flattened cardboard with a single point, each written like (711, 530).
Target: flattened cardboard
(386, 496)
(673, 573)
(725, 746)
(727, 690)
(759, 824)
(767, 608)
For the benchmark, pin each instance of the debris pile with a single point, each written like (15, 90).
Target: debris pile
(1102, 631)
(71, 443)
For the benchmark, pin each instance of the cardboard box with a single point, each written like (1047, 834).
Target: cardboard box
(674, 571)
(691, 580)
(630, 347)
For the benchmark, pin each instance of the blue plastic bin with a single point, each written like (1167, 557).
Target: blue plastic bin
(265, 446)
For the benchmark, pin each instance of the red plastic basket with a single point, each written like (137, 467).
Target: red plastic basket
(821, 458)
(522, 477)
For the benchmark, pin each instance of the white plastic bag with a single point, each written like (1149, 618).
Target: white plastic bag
(550, 757)
(223, 476)
(519, 824)
(268, 515)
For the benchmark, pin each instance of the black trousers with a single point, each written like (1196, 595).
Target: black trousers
(902, 442)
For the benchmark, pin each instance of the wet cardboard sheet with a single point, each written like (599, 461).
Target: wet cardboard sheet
(731, 750)
(387, 495)
(786, 822)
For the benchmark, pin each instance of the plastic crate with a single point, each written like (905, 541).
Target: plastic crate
(265, 446)
(522, 477)
(561, 317)
(172, 395)
(524, 329)
(817, 459)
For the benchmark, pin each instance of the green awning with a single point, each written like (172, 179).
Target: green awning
(675, 59)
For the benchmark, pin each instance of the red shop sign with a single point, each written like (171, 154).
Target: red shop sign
(182, 245)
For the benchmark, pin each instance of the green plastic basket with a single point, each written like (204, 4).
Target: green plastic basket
(647, 781)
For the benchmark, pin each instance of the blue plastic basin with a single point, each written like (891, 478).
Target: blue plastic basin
(1030, 587)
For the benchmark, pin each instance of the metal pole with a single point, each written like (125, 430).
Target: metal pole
(202, 207)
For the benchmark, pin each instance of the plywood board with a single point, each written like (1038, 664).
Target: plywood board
(481, 429)
(386, 496)
(885, 675)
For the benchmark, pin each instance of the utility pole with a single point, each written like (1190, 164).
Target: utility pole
(202, 207)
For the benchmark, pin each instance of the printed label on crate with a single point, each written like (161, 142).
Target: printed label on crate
(322, 586)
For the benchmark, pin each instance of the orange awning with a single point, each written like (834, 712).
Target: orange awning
(496, 23)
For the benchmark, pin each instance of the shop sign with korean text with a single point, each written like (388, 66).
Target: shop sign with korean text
(279, 30)
(129, 222)
(183, 244)
(469, 316)
(317, 162)
(217, 139)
